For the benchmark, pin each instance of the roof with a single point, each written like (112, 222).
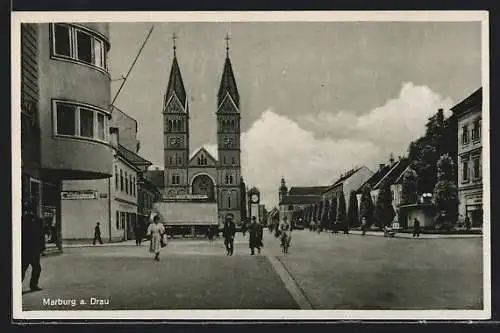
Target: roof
(175, 84)
(475, 99)
(228, 85)
(394, 173)
(343, 178)
(156, 177)
(200, 150)
(300, 199)
(132, 157)
(376, 177)
(307, 190)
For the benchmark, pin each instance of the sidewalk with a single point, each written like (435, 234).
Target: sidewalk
(407, 235)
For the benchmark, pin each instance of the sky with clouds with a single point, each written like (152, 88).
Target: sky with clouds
(317, 98)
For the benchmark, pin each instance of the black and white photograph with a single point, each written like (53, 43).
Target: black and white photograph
(286, 165)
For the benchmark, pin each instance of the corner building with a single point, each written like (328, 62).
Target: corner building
(201, 173)
(65, 112)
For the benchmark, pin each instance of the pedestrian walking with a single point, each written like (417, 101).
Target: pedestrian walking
(364, 226)
(97, 234)
(416, 228)
(345, 228)
(228, 233)
(32, 245)
(156, 232)
(286, 234)
(467, 223)
(255, 238)
(138, 234)
(244, 228)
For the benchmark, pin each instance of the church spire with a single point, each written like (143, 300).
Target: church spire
(175, 83)
(228, 82)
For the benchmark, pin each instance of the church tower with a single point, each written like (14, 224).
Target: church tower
(175, 133)
(228, 144)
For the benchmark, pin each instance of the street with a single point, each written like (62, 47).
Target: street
(321, 271)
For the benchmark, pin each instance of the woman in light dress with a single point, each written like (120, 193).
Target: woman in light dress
(156, 231)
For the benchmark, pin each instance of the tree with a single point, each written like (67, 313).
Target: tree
(445, 191)
(341, 215)
(409, 187)
(352, 210)
(384, 212)
(366, 205)
(439, 138)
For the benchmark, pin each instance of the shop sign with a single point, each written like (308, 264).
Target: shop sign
(79, 195)
(187, 197)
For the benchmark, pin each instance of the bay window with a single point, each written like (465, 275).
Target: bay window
(79, 121)
(79, 44)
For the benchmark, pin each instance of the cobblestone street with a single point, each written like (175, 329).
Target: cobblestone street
(322, 271)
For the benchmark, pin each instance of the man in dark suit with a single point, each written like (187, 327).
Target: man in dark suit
(228, 233)
(255, 239)
(97, 234)
(32, 245)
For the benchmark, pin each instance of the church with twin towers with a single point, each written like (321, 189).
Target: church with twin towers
(200, 173)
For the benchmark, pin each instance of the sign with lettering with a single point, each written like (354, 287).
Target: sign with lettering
(186, 197)
(79, 195)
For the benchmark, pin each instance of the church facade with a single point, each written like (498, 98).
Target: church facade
(217, 178)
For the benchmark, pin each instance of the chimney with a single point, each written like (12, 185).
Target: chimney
(381, 166)
(115, 136)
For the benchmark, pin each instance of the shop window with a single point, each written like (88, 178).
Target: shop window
(465, 171)
(91, 48)
(117, 220)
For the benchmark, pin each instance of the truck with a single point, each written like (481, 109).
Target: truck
(187, 217)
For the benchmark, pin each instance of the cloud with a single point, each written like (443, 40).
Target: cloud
(316, 149)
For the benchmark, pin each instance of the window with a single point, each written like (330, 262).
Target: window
(233, 160)
(121, 180)
(116, 177)
(79, 44)
(230, 179)
(465, 135)
(224, 159)
(62, 44)
(229, 201)
(100, 127)
(477, 168)
(227, 179)
(72, 119)
(170, 161)
(476, 130)
(126, 183)
(66, 121)
(84, 46)
(176, 179)
(123, 220)
(130, 185)
(465, 171)
(117, 220)
(86, 123)
(133, 184)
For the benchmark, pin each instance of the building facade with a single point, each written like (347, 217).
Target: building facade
(201, 173)
(470, 165)
(65, 89)
(119, 203)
